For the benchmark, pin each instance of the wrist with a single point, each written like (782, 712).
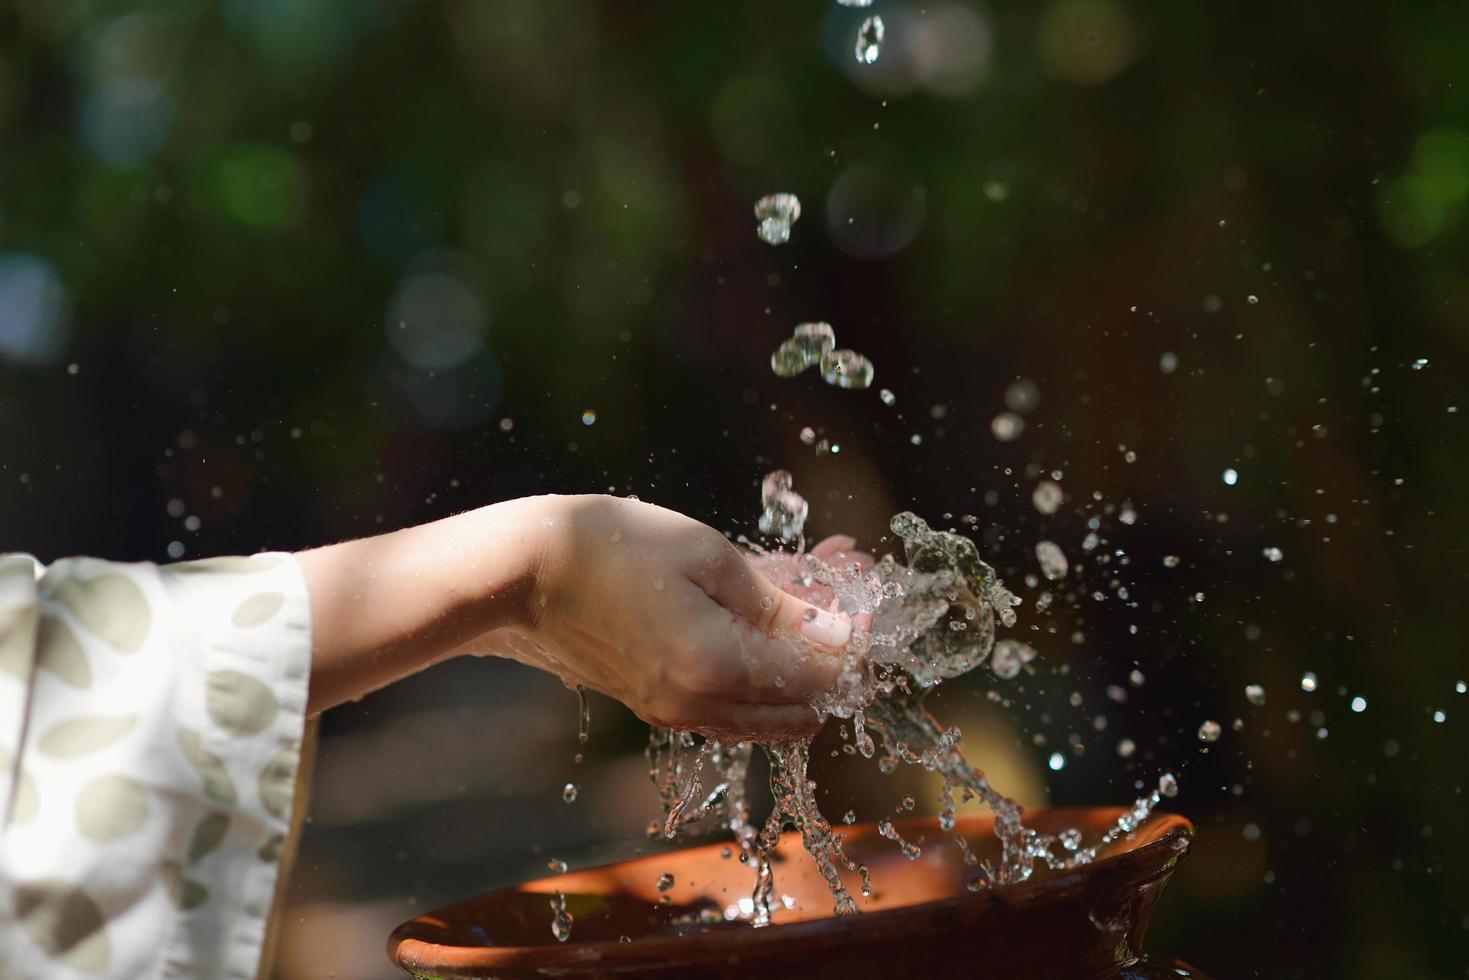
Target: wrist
(517, 541)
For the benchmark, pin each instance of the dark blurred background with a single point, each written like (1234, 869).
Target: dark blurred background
(279, 272)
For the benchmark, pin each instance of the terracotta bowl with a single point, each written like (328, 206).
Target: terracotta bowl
(921, 918)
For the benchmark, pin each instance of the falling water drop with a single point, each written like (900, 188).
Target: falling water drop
(1308, 681)
(583, 715)
(846, 369)
(775, 214)
(869, 39)
(568, 793)
(806, 346)
(560, 918)
(1255, 694)
(1047, 497)
(1209, 731)
(1007, 426)
(1052, 559)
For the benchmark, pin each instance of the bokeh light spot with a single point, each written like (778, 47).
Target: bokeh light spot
(33, 309)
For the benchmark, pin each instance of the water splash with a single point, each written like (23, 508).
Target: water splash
(934, 615)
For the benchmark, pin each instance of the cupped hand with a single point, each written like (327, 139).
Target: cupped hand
(664, 614)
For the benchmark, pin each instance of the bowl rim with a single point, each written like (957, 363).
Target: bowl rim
(1168, 836)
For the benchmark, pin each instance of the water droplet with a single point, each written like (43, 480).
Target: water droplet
(1252, 299)
(807, 344)
(568, 793)
(1439, 717)
(1308, 682)
(869, 39)
(855, 3)
(1009, 656)
(1168, 362)
(1136, 678)
(1052, 559)
(766, 603)
(1231, 476)
(1359, 704)
(846, 369)
(1007, 426)
(888, 398)
(1274, 554)
(557, 866)
(665, 882)
(1209, 731)
(560, 919)
(775, 214)
(1022, 395)
(1168, 785)
(1420, 363)
(583, 715)
(1056, 762)
(808, 435)
(1047, 497)
(1126, 748)
(910, 851)
(1255, 694)
(1460, 687)
(1171, 561)
(589, 417)
(785, 510)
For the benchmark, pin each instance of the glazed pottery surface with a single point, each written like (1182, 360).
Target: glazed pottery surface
(920, 919)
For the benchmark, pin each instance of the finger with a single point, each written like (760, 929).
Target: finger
(735, 584)
(841, 550)
(832, 545)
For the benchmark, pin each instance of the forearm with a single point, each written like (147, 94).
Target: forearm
(388, 606)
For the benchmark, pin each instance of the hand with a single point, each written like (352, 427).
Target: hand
(837, 552)
(667, 616)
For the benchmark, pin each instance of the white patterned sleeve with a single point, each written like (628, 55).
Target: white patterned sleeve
(151, 722)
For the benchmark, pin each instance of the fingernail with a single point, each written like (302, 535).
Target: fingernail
(825, 628)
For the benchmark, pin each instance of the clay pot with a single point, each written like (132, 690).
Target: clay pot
(920, 920)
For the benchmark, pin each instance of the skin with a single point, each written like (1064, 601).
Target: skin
(646, 605)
